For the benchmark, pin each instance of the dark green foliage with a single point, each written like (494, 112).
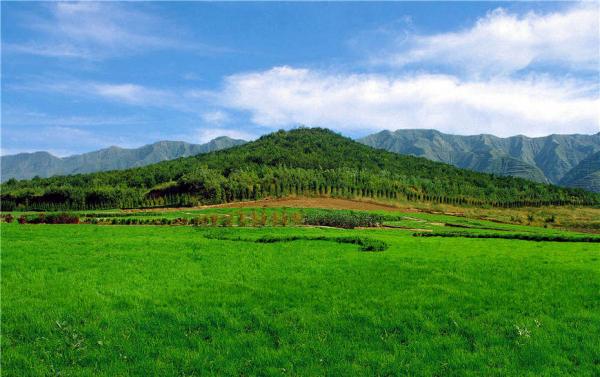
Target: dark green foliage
(365, 243)
(309, 162)
(342, 219)
(50, 218)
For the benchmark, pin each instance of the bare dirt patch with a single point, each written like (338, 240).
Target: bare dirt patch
(326, 203)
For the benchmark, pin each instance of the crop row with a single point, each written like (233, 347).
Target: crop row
(339, 219)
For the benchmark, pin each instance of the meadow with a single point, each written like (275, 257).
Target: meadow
(116, 300)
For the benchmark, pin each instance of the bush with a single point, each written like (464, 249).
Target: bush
(263, 218)
(226, 221)
(342, 219)
(8, 218)
(274, 219)
(254, 218)
(52, 218)
(241, 219)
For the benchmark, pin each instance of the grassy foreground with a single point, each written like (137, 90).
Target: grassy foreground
(88, 300)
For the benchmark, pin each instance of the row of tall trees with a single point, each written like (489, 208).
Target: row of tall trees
(207, 186)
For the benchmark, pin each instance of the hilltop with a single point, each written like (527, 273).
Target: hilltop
(305, 161)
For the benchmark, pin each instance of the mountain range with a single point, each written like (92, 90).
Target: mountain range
(566, 160)
(44, 164)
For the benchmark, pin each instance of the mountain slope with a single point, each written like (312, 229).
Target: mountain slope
(585, 175)
(43, 164)
(544, 159)
(302, 161)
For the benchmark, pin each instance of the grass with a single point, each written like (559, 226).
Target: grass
(88, 300)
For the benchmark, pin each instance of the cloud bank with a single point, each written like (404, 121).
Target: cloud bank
(359, 102)
(503, 43)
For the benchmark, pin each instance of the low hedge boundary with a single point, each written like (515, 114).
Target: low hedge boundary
(523, 237)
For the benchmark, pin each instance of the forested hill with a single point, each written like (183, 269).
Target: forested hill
(305, 161)
(43, 164)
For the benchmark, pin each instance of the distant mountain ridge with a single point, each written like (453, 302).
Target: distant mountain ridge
(44, 164)
(543, 159)
(585, 175)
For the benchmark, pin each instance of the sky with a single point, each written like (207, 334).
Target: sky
(78, 77)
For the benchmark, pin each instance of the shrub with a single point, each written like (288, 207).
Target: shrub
(226, 221)
(8, 218)
(214, 219)
(263, 218)
(297, 218)
(254, 218)
(274, 219)
(284, 218)
(241, 219)
(342, 219)
(53, 218)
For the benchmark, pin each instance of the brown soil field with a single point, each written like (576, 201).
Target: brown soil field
(327, 203)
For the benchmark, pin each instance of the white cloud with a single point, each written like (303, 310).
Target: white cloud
(19, 116)
(216, 117)
(131, 93)
(360, 103)
(98, 30)
(502, 43)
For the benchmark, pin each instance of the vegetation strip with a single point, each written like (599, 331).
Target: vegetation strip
(524, 237)
(365, 243)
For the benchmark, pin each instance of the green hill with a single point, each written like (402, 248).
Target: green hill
(586, 175)
(302, 161)
(43, 164)
(543, 159)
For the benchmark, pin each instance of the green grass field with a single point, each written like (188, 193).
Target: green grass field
(102, 300)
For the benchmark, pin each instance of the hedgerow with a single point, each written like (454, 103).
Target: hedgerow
(343, 219)
(518, 236)
(51, 218)
(365, 243)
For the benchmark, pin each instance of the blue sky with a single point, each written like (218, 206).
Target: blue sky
(82, 76)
